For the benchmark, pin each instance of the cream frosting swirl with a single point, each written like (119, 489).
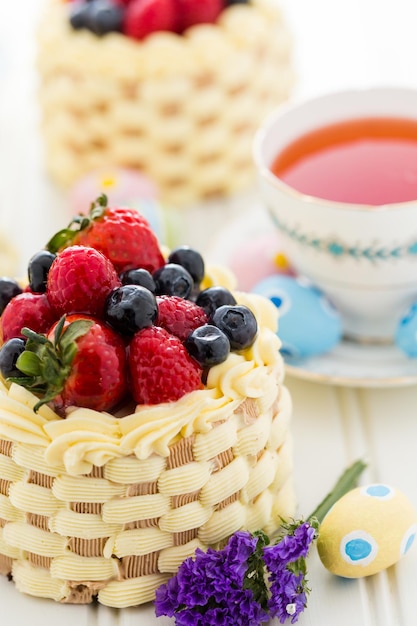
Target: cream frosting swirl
(86, 437)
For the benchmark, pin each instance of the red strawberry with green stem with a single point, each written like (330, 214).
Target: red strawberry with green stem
(82, 362)
(161, 370)
(121, 234)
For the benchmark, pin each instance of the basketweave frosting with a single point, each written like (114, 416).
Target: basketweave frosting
(99, 506)
(182, 109)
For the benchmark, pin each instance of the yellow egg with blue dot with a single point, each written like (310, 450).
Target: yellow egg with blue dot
(367, 530)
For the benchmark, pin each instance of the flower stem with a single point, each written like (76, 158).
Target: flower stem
(346, 482)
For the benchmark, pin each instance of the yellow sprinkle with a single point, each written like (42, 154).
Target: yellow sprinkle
(281, 261)
(107, 182)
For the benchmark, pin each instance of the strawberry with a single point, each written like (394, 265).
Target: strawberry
(82, 362)
(26, 309)
(178, 316)
(121, 234)
(192, 12)
(160, 368)
(79, 281)
(144, 17)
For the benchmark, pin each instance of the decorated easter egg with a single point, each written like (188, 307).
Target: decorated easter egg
(257, 259)
(406, 335)
(308, 322)
(367, 530)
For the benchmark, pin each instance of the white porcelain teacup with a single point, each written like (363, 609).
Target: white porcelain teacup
(364, 258)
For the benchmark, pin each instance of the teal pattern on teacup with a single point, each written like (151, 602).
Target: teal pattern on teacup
(338, 248)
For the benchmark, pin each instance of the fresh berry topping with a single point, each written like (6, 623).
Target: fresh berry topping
(80, 279)
(9, 288)
(178, 316)
(161, 370)
(105, 17)
(38, 269)
(9, 353)
(140, 277)
(173, 280)
(130, 308)
(238, 323)
(81, 363)
(208, 345)
(228, 3)
(26, 309)
(191, 260)
(210, 299)
(121, 234)
(144, 17)
(100, 16)
(192, 12)
(80, 15)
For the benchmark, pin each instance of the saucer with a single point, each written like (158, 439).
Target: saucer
(353, 364)
(350, 363)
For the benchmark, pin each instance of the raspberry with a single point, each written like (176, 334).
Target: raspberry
(144, 17)
(160, 368)
(178, 316)
(79, 281)
(26, 309)
(192, 12)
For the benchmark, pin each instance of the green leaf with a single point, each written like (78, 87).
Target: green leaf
(76, 329)
(255, 572)
(61, 239)
(346, 482)
(36, 338)
(29, 363)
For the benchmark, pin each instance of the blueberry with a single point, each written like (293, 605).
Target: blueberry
(80, 15)
(238, 323)
(173, 280)
(208, 345)
(138, 277)
(130, 308)
(9, 288)
(38, 270)
(105, 16)
(191, 260)
(210, 299)
(9, 353)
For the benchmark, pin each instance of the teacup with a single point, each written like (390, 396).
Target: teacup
(363, 257)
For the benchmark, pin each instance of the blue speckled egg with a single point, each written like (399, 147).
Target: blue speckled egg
(308, 322)
(367, 530)
(406, 335)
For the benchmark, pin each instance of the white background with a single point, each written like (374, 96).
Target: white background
(338, 44)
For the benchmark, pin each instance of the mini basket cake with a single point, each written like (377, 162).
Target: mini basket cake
(107, 504)
(181, 108)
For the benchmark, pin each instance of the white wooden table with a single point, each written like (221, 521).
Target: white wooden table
(338, 44)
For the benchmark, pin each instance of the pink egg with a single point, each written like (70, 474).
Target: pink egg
(258, 259)
(121, 186)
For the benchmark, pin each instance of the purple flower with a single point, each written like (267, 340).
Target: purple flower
(290, 548)
(288, 597)
(240, 547)
(209, 589)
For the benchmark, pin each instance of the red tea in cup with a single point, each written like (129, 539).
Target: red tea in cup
(371, 161)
